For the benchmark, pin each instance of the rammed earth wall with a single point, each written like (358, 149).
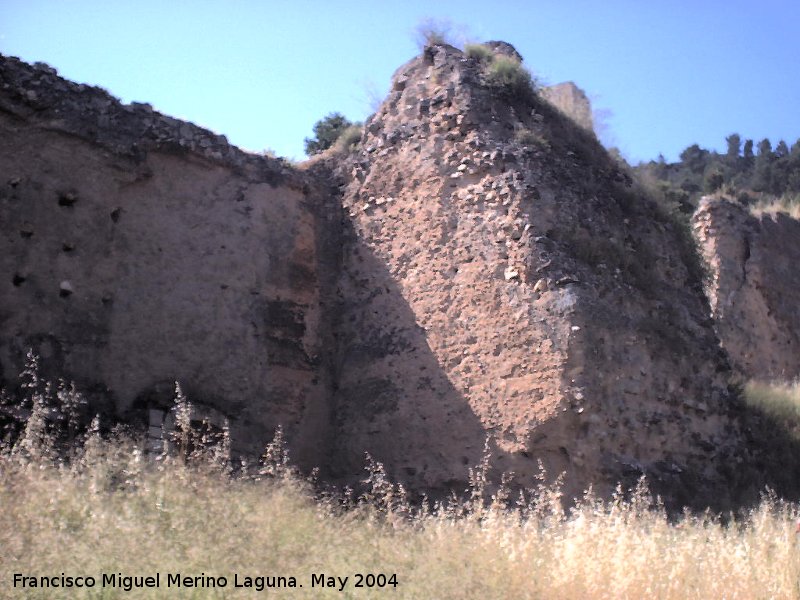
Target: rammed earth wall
(137, 250)
(753, 286)
(482, 269)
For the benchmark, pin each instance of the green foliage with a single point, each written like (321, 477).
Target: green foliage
(779, 401)
(734, 142)
(502, 74)
(349, 138)
(526, 137)
(326, 132)
(695, 158)
(748, 150)
(714, 180)
(508, 77)
(479, 52)
(765, 175)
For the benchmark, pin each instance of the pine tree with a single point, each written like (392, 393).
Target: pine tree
(326, 132)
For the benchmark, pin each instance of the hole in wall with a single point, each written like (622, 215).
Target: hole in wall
(65, 289)
(67, 198)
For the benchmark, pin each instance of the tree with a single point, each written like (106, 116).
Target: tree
(326, 132)
(734, 145)
(694, 158)
(765, 149)
(713, 180)
(762, 180)
(748, 149)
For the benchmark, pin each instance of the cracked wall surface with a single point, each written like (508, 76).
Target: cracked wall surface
(754, 286)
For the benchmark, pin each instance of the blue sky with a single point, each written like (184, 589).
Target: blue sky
(665, 74)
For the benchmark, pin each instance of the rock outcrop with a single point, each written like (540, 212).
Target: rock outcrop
(753, 287)
(483, 268)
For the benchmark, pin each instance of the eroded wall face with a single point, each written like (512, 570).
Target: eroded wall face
(128, 273)
(572, 101)
(500, 280)
(492, 276)
(754, 287)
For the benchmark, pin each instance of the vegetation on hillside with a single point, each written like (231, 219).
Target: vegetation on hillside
(752, 174)
(430, 32)
(504, 75)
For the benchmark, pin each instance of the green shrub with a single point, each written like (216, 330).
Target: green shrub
(326, 132)
(479, 52)
(526, 137)
(349, 138)
(508, 77)
(713, 180)
(780, 401)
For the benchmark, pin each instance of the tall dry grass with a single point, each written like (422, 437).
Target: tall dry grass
(121, 514)
(779, 400)
(107, 508)
(788, 204)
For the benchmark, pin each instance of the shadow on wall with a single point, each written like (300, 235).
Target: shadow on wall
(773, 448)
(392, 398)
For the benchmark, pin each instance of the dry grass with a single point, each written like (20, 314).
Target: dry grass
(788, 204)
(349, 138)
(778, 400)
(479, 52)
(138, 520)
(104, 508)
(507, 76)
(121, 514)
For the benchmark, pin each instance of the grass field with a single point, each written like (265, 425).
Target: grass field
(98, 508)
(115, 513)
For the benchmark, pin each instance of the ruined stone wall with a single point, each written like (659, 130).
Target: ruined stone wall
(572, 101)
(492, 274)
(137, 250)
(753, 286)
(511, 285)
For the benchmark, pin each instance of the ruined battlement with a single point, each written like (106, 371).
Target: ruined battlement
(476, 266)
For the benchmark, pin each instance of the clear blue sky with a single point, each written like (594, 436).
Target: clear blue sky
(667, 74)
